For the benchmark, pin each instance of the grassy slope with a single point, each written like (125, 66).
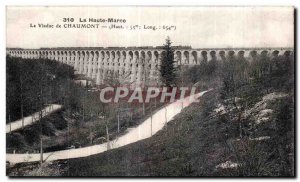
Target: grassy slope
(193, 144)
(28, 138)
(184, 147)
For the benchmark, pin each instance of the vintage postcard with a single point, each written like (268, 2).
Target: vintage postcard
(150, 91)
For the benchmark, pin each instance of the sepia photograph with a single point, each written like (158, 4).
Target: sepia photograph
(150, 91)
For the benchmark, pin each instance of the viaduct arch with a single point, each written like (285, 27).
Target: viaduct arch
(137, 64)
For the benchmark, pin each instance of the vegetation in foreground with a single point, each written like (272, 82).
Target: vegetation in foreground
(83, 120)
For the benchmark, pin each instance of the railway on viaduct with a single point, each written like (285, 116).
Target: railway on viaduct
(136, 64)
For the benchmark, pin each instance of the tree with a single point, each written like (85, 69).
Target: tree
(167, 69)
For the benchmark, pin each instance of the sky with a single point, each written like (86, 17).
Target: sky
(199, 27)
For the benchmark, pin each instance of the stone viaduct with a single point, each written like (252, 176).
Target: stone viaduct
(134, 65)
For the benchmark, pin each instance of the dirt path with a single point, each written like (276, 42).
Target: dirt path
(143, 131)
(16, 125)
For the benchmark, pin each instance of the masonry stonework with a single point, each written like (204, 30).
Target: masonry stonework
(134, 65)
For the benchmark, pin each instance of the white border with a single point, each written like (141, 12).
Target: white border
(4, 3)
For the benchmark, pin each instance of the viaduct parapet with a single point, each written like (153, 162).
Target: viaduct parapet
(134, 65)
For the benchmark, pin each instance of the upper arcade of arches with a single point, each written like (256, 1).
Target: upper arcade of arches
(182, 55)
